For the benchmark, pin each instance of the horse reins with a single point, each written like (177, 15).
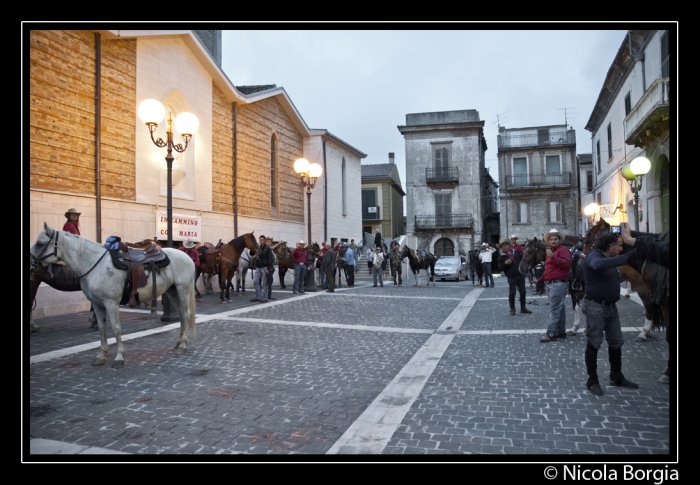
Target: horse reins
(55, 253)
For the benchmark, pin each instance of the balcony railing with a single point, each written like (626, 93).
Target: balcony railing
(442, 175)
(531, 180)
(368, 215)
(649, 114)
(533, 140)
(447, 221)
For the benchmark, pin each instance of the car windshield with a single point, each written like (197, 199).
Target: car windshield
(449, 260)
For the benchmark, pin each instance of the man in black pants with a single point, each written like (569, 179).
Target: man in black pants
(328, 265)
(600, 307)
(508, 262)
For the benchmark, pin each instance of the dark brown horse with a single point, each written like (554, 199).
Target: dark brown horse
(230, 253)
(649, 280)
(419, 260)
(209, 265)
(285, 261)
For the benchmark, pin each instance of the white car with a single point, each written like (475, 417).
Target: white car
(453, 267)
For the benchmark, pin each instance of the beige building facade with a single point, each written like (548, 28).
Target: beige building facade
(89, 150)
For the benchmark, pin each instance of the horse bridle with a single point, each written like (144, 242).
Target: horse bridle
(36, 260)
(536, 250)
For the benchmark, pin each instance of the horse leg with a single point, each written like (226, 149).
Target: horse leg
(182, 296)
(33, 327)
(576, 303)
(92, 319)
(283, 271)
(646, 330)
(222, 285)
(101, 356)
(196, 277)
(229, 286)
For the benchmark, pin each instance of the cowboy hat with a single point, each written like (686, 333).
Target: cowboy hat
(514, 236)
(484, 244)
(189, 243)
(301, 242)
(553, 232)
(71, 211)
(504, 241)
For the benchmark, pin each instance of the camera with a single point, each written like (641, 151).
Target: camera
(615, 229)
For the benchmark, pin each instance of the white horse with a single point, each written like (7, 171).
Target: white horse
(242, 270)
(103, 284)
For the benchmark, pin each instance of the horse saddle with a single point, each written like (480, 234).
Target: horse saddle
(134, 262)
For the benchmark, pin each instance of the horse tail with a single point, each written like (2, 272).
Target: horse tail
(657, 318)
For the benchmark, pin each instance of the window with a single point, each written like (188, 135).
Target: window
(443, 210)
(441, 162)
(370, 211)
(521, 212)
(599, 198)
(555, 212)
(665, 68)
(597, 152)
(543, 137)
(589, 180)
(609, 141)
(552, 169)
(520, 171)
(273, 172)
(628, 104)
(344, 188)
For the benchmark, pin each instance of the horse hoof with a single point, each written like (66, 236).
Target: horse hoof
(117, 364)
(180, 350)
(99, 361)
(228, 301)
(571, 333)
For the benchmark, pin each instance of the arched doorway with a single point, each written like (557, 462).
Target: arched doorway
(665, 185)
(444, 247)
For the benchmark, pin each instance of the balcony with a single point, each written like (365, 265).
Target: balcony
(371, 213)
(448, 177)
(538, 180)
(534, 140)
(649, 117)
(447, 221)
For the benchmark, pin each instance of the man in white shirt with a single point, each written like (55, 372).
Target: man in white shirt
(486, 256)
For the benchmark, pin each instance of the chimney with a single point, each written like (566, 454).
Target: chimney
(391, 158)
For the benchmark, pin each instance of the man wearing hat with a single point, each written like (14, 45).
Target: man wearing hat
(508, 262)
(556, 278)
(515, 246)
(189, 248)
(300, 255)
(377, 260)
(349, 263)
(486, 257)
(72, 224)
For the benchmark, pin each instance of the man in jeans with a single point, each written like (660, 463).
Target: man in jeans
(300, 255)
(349, 262)
(600, 307)
(262, 264)
(556, 278)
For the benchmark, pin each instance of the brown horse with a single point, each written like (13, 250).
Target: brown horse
(646, 279)
(209, 265)
(61, 277)
(285, 261)
(230, 253)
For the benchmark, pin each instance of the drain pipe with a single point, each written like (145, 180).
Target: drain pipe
(234, 114)
(325, 194)
(98, 130)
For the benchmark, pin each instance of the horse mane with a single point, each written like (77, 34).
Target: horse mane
(238, 243)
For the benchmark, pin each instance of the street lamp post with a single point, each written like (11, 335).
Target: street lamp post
(309, 173)
(634, 172)
(152, 112)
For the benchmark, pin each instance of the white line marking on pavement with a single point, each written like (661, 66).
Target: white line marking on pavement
(365, 295)
(335, 325)
(371, 432)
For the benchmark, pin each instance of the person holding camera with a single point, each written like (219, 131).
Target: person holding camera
(600, 307)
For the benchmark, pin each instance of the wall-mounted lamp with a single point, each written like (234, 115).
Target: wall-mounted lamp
(634, 173)
(591, 210)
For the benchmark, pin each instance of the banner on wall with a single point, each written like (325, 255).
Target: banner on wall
(184, 227)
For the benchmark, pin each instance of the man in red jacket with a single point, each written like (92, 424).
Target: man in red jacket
(556, 278)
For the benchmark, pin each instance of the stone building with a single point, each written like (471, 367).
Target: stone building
(382, 200)
(447, 184)
(538, 180)
(89, 150)
(631, 118)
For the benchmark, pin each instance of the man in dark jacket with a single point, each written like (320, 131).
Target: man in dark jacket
(378, 239)
(262, 265)
(508, 262)
(600, 307)
(328, 265)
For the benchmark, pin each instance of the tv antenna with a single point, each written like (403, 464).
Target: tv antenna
(566, 120)
(498, 118)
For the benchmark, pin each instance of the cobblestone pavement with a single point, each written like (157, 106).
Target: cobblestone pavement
(385, 371)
